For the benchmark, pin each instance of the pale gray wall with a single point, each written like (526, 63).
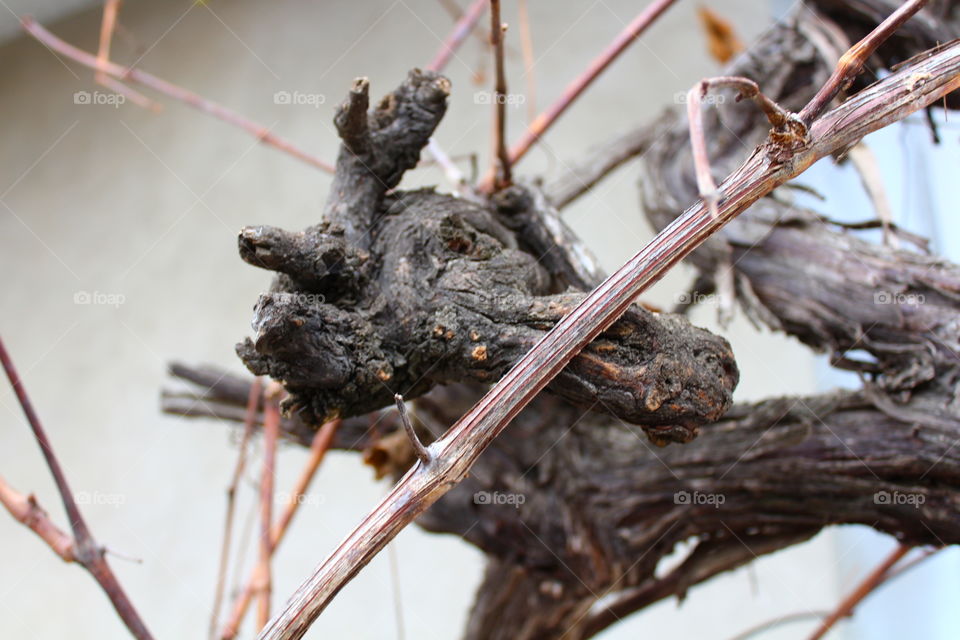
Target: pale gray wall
(123, 201)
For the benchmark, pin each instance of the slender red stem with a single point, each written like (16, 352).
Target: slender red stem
(526, 48)
(131, 74)
(318, 449)
(28, 512)
(862, 590)
(460, 32)
(502, 163)
(107, 26)
(249, 421)
(86, 550)
(579, 84)
(271, 432)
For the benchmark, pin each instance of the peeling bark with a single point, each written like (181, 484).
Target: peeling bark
(797, 272)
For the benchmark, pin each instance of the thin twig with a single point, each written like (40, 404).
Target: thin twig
(896, 572)
(395, 583)
(247, 534)
(107, 27)
(573, 90)
(28, 512)
(888, 577)
(865, 162)
(460, 32)
(271, 431)
(502, 163)
(318, 449)
(853, 60)
(862, 590)
(249, 421)
(779, 621)
(771, 165)
(85, 549)
(526, 47)
(131, 74)
(580, 175)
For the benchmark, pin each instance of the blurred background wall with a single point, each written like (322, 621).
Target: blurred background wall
(138, 212)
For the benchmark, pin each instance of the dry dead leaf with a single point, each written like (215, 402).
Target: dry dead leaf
(722, 40)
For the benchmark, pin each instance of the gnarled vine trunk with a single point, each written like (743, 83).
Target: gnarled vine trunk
(432, 296)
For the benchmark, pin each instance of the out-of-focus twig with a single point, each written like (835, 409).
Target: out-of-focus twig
(450, 169)
(573, 90)
(502, 159)
(461, 30)
(132, 74)
(318, 449)
(862, 590)
(250, 420)
(889, 576)
(28, 512)
(865, 162)
(86, 551)
(107, 27)
(526, 48)
(583, 173)
(271, 432)
(464, 26)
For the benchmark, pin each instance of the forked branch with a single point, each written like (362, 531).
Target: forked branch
(84, 549)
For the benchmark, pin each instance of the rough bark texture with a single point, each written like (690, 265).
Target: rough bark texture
(432, 296)
(438, 289)
(890, 314)
(572, 506)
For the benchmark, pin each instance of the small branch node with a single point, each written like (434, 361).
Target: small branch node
(422, 452)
